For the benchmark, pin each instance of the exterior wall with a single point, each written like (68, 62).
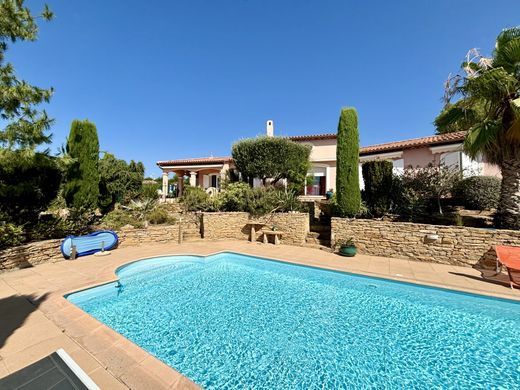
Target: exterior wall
(419, 157)
(322, 150)
(456, 245)
(152, 234)
(236, 226)
(28, 255)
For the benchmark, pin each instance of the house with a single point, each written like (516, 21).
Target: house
(443, 149)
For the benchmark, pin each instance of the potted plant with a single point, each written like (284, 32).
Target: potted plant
(347, 248)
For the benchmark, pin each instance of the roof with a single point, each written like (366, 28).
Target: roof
(441, 139)
(196, 161)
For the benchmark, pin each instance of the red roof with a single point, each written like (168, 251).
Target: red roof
(196, 161)
(441, 139)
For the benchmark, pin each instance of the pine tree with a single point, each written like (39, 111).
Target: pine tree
(81, 189)
(348, 195)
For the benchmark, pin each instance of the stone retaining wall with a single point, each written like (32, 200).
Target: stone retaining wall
(28, 255)
(237, 226)
(455, 245)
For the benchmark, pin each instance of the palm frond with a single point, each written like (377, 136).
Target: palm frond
(493, 85)
(508, 56)
(484, 138)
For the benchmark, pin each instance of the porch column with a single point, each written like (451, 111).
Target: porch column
(164, 185)
(180, 184)
(193, 179)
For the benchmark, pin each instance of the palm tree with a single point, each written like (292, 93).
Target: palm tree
(488, 107)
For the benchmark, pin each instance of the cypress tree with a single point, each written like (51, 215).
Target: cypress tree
(378, 178)
(348, 195)
(81, 190)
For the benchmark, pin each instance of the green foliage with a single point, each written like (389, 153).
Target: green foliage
(235, 197)
(25, 126)
(418, 189)
(10, 235)
(273, 159)
(50, 226)
(28, 183)
(81, 189)
(479, 192)
(119, 181)
(488, 106)
(142, 209)
(194, 199)
(149, 191)
(160, 215)
(118, 218)
(348, 199)
(378, 178)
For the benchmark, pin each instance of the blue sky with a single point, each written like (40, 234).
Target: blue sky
(178, 79)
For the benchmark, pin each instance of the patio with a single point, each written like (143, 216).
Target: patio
(36, 320)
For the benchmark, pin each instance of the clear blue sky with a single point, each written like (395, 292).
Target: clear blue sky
(178, 79)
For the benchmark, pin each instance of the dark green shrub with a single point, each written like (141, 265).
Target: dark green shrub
(28, 184)
(348, 198)
(235, 197)
(50, 226)
(10, 235)
(479, 192)
(377, 176)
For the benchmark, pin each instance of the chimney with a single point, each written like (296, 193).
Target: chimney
(269, 128)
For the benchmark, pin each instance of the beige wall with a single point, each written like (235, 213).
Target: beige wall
(419, 157)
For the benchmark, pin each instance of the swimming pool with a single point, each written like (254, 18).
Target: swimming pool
(234, 321)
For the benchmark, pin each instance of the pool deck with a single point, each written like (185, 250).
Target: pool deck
(35, 319)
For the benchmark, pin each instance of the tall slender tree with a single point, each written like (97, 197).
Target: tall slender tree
(488, 107)
(81, 190)
(348, 195)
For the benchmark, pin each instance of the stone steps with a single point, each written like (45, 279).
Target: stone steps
(318, 246)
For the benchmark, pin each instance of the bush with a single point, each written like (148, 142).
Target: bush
(11, 235)
(194, 199)
(50, 226)
(479, 192)
(149, 191)
(235, 197)
(377, 176)
(118, 218)
(160, 215)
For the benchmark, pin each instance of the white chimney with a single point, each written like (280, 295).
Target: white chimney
(269, 128)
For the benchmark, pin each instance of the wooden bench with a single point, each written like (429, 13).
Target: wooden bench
(276, 233)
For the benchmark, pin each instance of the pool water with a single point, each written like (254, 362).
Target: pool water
(230, 321)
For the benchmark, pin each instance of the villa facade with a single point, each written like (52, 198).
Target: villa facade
(443, 149)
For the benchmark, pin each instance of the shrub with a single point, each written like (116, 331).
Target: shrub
(149, 191)
(194, 199)
(160, 216)
(10, 235)
(50, 226)
(377, 176)
(118, 218)
(479, 192)
(348, 199)
(235, 197)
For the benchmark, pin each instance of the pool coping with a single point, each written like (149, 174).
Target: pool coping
(127, 364)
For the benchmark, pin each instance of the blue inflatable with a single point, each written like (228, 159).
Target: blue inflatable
(89, 244)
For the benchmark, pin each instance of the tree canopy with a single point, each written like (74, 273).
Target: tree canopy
(25, 125)
(487, 104)
(273, 159)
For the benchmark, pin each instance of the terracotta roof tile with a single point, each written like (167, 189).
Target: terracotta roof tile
(196, 161)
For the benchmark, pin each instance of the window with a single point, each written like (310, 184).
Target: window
(317, 187)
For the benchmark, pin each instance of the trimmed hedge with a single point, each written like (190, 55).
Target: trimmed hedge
(479, 192)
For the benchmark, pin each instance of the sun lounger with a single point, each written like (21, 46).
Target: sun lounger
(56, 371)
(509, 256)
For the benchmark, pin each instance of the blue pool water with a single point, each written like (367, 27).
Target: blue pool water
(237, 322)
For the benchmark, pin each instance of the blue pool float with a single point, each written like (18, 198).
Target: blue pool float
(89, 244)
